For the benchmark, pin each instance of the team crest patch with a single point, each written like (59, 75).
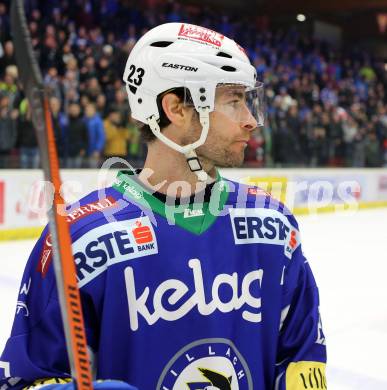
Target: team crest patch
(214, 364)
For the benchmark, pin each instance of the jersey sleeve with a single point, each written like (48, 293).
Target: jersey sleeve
(301, 354)
(36, 348)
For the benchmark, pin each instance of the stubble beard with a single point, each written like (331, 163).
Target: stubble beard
(219, 156)
(216, 152)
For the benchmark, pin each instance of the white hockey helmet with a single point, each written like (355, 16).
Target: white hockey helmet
(175, 55)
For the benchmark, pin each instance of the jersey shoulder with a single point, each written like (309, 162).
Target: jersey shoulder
(99, 207)
(249, 196)
(259, 218)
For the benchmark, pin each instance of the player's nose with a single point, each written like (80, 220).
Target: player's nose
(248, 121)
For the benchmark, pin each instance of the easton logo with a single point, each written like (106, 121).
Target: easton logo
(181, 67)
(201, 34)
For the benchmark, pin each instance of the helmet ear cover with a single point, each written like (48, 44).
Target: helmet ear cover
(183, 94)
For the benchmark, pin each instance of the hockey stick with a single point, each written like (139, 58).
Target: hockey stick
(64, 266)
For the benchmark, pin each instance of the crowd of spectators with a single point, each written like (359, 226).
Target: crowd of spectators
(325, 106)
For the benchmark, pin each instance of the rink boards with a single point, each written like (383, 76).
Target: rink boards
(24, 197)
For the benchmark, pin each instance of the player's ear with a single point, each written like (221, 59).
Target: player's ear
(174, 109)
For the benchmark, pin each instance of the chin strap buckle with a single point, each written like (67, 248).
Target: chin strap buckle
(195, 165)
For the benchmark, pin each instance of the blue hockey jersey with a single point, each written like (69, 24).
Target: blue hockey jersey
(212, 294)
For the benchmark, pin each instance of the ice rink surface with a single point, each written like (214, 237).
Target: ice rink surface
(348, 255)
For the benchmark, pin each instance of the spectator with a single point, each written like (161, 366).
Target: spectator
(96, 135)
(101, 105)
(8, 87)
(92, 89)
(106, 74)
(88, 70)
(384, 147)
(76, 137)
(285, 149)
(117, 136)
(294, 126)
(26, 138)
(4, 22)
(372, 150)
(328, 94)
(83, 49)
(350, 129)
(136, 149)
(336, 145)
(284, 100)
(59, 122)
(8, 57)
(367, 72)
(8, 133)
(358, 158)
(319, 147)
(254, 153)
(53, 84)
(70, 87)
(50, 55)
(122, 105)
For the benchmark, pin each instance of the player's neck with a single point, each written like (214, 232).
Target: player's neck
(164, 168)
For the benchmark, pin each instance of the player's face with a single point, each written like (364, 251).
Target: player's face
(231, 124)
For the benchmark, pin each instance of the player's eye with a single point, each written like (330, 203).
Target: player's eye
(234, 102)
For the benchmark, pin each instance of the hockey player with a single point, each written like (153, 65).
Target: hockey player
(188, 280)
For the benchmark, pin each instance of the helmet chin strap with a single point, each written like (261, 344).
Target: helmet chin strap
(188, 150)
(195, 166)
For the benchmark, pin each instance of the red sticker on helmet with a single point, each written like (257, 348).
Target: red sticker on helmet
(201, 34)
